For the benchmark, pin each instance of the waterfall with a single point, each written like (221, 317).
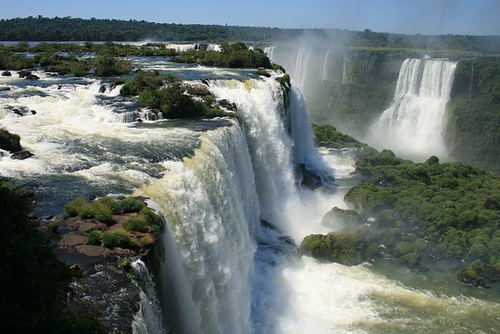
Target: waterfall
(301, 64)
(148, 319)
(214, 201)
(325, 67)
(345, 68)
(413, 125)
(211, 208)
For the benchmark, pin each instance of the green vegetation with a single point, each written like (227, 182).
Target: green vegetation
(235, 55)
(328, 136)
(116, 238)
(168, 94)
(74, 29)
(94, 238)
(9, 141)
(35, 282)
(473, 123)
(448, 210)
(332, 247)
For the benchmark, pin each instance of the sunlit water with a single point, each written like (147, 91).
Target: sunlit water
(214, 180)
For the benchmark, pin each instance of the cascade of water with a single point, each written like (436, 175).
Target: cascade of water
(345, 68)
(413, 125)
(269, 51)
(148, 319)
(325, 67)
(301, 66)
(212, 210)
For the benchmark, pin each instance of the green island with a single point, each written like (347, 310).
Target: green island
(417, 213)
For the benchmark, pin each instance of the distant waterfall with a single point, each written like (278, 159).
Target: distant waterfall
(301, 66)
(345, 67)
(413, 125)
(325, 68)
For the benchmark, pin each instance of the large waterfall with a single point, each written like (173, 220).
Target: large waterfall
(413, 125)
(214, 203)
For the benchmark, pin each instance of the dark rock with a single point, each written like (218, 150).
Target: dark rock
(102, 89)
(94, 251)
(227, 105)
(72, 240)
(4, 88)
(108, 293)
(21, 155)
(32, 77)
(24, 74)
(21, 110)
(6, 74)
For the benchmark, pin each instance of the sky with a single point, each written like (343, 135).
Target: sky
(426, 17)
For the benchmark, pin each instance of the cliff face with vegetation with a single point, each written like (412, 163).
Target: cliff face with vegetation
(473, 130)
(359, 90)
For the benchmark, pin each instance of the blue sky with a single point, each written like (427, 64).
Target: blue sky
(428, 17)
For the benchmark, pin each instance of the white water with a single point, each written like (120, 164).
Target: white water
(148, 319)
(413, 125)
(325, 68)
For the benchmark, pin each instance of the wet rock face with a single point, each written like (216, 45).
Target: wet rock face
(108, 293)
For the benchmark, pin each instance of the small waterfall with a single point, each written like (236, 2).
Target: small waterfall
(345, 68)
(413, 125)
(325, 68)
(148, 319)
(269, 51)
(301, 66)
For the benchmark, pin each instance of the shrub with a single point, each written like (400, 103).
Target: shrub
(409, 259)
(116, 238)
(146, 240)
(130, 204)
(94, 238)
(102, 212)
(54, 226)
(138, 224)
(111, 203)
(404, 247)
(73, 206)
(151, 217)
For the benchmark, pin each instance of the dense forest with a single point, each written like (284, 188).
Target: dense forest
(74, 29)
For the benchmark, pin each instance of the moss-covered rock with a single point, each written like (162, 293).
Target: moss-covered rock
(339, 248)
(338, 218)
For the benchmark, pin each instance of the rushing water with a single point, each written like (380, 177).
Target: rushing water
(413, 126)
(228, 192)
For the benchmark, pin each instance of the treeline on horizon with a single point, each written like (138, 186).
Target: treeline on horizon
(75, 29)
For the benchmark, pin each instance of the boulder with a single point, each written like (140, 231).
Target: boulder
(4, 88)
(338, 218)
(21, 110)
(32, 77)
(6, 74)
(24, 73)
(72, 240)
(102, 89)
(21, 155)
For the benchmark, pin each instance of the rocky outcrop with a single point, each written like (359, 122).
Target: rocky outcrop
(21, 110)
(106, 288)
(6, 74)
